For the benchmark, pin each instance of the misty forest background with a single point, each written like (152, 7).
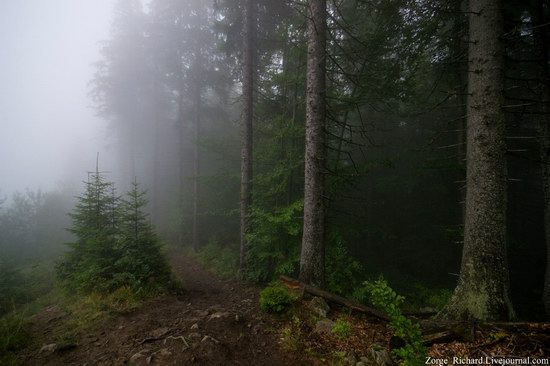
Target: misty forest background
(172, 83)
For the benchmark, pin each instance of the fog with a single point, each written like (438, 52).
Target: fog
(169, 81)
(49, 130)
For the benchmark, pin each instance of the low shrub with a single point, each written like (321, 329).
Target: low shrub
(385, 298)
(342, 328)
(276, 299)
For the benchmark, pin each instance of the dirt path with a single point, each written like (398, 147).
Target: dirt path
(214, 322)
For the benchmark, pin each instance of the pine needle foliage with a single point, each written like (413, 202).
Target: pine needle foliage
(115, 245)
(141, 262)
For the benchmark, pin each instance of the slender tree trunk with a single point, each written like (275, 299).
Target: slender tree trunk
(246, 126)
(181, 152)
(483, 287)
(541, 52)
(156, 152)
(312, 254)
(196, 168)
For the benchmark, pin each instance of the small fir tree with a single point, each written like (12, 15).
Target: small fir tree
(89, 265)
(141, 262)
(115, 244)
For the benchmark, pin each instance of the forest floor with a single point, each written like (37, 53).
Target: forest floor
(218, 322)
(213, 322)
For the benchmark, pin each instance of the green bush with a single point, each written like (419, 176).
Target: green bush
(342, 328)
(385, 298)
(276, 299)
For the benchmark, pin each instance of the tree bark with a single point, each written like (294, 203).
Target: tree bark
(541, 51)
(246, 127)
(181, 162)
(483, 287)
(312, 252)
(196, 168)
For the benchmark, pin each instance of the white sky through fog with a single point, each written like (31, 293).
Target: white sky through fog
(48, 129)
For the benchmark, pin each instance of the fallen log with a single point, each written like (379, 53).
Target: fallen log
(312, 290)
(434, 330)
(540, 327)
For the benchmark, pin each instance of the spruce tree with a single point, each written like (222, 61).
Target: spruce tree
(115, 244)
(90, 263)
(141, 262)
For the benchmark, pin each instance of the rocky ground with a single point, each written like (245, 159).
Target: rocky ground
(214, 322)
(218, 322)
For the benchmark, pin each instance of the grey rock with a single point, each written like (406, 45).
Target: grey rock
(157, 333)
(324, 326)
(218, 315)
(194, 326)
(164, 352)
(351, 358)
(48, 348)
(201, 313)
(377, 357)
(319, 306)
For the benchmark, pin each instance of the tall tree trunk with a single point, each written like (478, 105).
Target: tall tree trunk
(458, 57)
(483, 286)
(181, 162)
(156, 152)
(313, 250)
(196, 168)
(541, 52)
(246, 126)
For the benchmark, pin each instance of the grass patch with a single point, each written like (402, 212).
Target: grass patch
(291, 335)
(342, 328)
(86, 312)
(14, 336)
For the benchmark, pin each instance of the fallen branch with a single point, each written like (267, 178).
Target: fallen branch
(312, 290)
(434, 330)
(440, 337)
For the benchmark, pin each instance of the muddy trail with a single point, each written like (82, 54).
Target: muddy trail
(213, 322)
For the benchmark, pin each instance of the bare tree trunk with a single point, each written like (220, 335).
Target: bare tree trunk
(312, 254)
(483, 287)
(541, 51)
(246, 126)
(196, 169)
(156, 158)
(181, 136)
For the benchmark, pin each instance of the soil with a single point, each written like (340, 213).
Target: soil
(214, 322)
(218, 322)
